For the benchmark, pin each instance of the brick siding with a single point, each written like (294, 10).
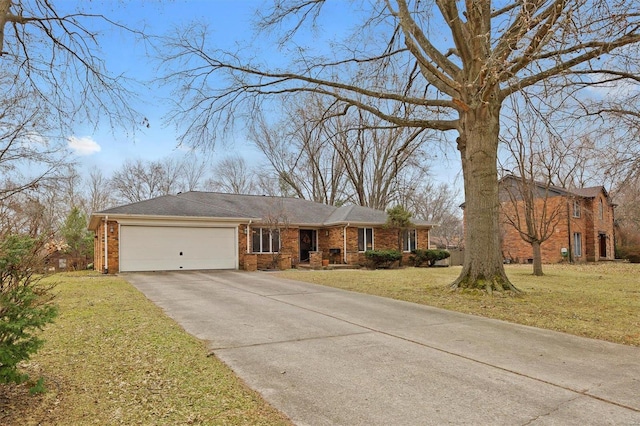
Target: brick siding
(113, 245)
(589, 224)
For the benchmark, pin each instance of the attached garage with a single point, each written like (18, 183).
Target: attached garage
(174, 248)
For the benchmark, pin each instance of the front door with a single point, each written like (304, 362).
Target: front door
(308, 243)
(603, 245)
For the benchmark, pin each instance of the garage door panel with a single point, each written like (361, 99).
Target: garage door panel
(161, 248)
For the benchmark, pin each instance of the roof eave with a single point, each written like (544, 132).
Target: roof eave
(97, 217)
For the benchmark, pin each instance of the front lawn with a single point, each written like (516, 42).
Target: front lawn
(113, 358)
(601, 300)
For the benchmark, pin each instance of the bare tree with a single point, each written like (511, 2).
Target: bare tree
(536, 156)
(457, 63)
(232, 175)
(98, 192)
(627, 197)
(438, 204)
(53, 56)
(194, 171)
(138, 180)
(141, 180)
(334, 157)
(51, 78)
(299, 153)
(28, 153)
(377, 157)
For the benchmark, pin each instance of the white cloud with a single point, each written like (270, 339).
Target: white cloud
(84, 145)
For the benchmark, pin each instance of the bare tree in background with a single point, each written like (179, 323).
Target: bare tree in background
(617, 118)
(438, 204)
(332, 156)
(232, 175)
(194, 171)
(98, 192)
(456, 64)
(300, 153)
(376, 157)
(136, 181)
(139, 180)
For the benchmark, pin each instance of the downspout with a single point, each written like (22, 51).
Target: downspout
(344, 243)
(569, 214)
(106, 245)
(248, 230)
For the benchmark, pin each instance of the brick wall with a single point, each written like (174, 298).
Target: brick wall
(515, 249)
(328, 238)
(289, 246)
(113, 244)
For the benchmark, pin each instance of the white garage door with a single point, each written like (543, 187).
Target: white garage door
(170, 248)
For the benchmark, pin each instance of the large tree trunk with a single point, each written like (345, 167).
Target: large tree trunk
(537, 259)
(478, 145)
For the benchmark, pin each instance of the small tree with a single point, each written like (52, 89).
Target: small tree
(76, 235)
(400, 219)
(25, 305)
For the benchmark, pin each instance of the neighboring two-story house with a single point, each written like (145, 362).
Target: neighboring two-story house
(580, 223)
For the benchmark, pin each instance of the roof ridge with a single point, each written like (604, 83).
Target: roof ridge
(253, 195)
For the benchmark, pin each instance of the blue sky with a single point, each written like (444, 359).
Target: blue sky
(107, 148)
(230, 21)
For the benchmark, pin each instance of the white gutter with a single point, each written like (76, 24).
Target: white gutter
(248, 233)
(106, 250)
(344, 242)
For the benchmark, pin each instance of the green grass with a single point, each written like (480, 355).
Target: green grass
(600, 301)
(114, 358)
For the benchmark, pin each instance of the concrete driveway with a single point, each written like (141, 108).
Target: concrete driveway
(329, 357)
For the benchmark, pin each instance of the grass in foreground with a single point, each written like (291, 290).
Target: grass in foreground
(114, 358)
(600, 301)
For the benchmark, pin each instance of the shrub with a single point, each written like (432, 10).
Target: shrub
(630, 253)
(382, 258)
(430, 257)
(24, 305)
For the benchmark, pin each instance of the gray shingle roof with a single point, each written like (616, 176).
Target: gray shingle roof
(545, 190)
(253, 207)
(591, 192)
(291, 210)
(172, 205)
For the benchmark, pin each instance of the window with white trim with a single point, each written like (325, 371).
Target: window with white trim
(577, 244)
(576, 208)
(601, 209)
(409, 240)
(365, 239)
(265, 240)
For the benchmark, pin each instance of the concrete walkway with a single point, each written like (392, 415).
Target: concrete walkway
(329, 357)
